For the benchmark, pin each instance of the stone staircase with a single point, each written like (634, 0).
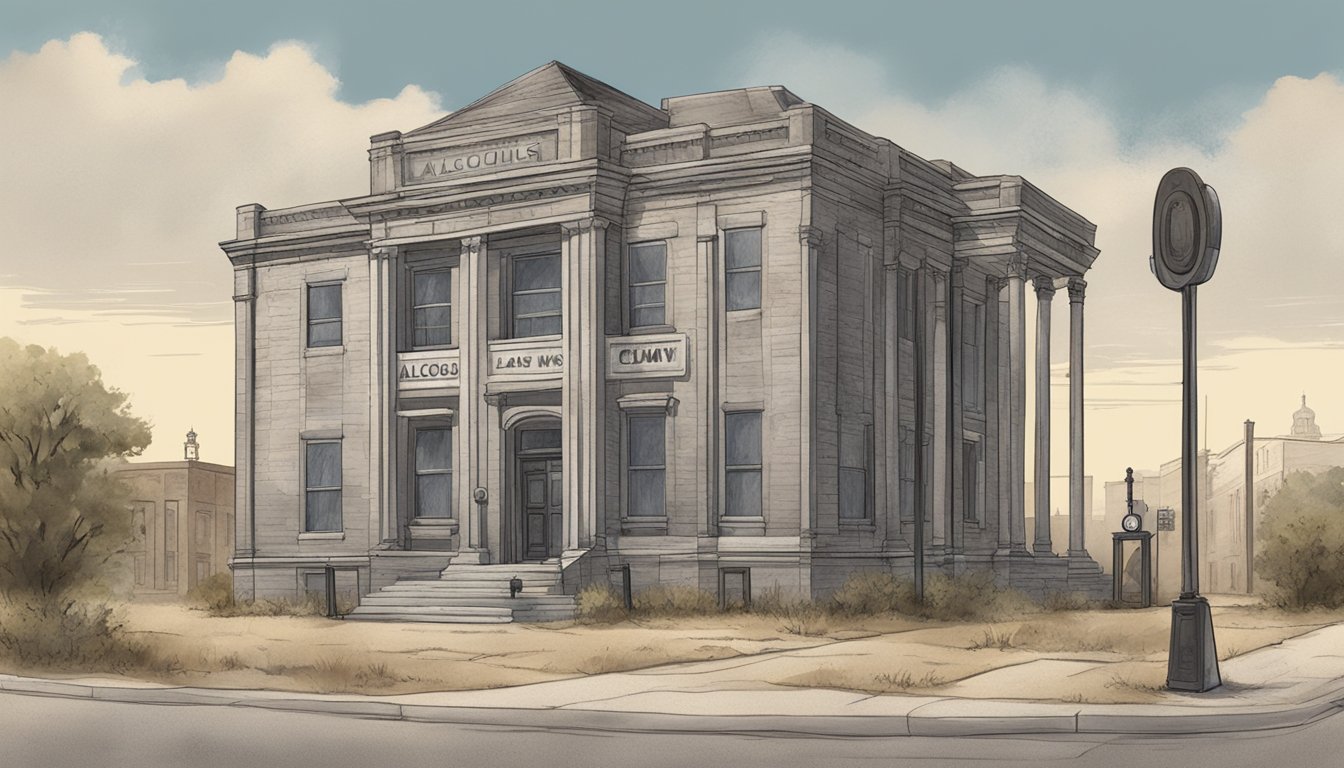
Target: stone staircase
(472, 594)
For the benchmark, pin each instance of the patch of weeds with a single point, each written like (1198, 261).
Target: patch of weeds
(905, 680)
(994, 637)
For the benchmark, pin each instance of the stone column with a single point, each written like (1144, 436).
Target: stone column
(245, 418)
(1017, 399)
(997, 413)
(891, 396)
(383, 271)
(1045, 293)
(939, 378)
(1077, 501)
(472, 413)
(956, 501)
(706, 366)
(583, 264)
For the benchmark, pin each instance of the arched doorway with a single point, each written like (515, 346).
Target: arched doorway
(537, 505)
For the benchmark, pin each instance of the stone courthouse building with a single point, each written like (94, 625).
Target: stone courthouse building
(567, 331)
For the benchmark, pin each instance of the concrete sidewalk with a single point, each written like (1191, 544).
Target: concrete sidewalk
(1292, 683)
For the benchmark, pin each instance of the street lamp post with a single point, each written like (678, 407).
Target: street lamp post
(1187, 235)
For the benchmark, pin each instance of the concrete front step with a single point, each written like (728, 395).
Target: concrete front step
(473, 594)
(507, 603)
(429, 618)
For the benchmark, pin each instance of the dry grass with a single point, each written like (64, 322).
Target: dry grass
(994, 637)
(339, 674)
(87, 636)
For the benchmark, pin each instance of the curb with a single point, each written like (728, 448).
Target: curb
(998, 717)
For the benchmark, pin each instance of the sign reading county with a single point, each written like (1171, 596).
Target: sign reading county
(648, 357)
(431, 369)
(441, 164)
(513, 360)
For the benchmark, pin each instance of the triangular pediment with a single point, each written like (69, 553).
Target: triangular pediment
(552, 88)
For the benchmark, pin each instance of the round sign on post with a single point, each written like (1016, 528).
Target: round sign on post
(1187, 235)
(1187, 230)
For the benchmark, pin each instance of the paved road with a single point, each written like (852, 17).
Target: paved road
(41, 732)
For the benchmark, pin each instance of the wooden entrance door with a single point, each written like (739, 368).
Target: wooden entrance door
(543, 512)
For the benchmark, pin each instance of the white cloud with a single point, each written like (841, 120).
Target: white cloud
(117, 190)
(1270, 320)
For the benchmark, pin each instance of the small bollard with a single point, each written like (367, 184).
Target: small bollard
(515, 586)
(330, 573)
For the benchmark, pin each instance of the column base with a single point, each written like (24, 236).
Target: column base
(472, 557)
(1042, 550)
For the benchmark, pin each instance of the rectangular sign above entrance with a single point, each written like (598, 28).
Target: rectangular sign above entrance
(526, 360)
(428, 369)
(655, 356)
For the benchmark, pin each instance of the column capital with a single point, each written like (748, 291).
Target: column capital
(1077, 287)
(583, 225)
(471, 246)
(993, 283)
(1017, 267)
(1045, 287)
(810, 235)
(383, 252)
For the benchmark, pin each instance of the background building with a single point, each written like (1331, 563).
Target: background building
(567, 330)
(1221, 488)
(182, 520)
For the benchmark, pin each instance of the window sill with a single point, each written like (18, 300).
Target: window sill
(324, 351)
(434, 522)
(741, 526)
(644, 526)
(648, 330)
(322, 536)
(743, 314)
(860, 525)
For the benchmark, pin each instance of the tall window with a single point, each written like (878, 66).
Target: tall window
(536, 295)
(433, 472)
(970, 480)
(972, 356)
(646, 489)
(322, 486)
(648, 284)
(854, 459)
(324, 315)
(432, 308)
(742, 464)
(742, 261)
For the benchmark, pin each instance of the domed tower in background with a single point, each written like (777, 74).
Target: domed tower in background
(1304, 422)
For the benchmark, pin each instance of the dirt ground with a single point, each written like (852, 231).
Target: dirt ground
(1094, 656)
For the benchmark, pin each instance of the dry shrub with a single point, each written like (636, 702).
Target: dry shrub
(674, 601)
(86, 637)
(601, 604)
(797, 615)
(213, 594)
(873, 593)
(972, 595)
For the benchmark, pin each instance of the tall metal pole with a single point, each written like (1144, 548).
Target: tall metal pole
(1189, 451)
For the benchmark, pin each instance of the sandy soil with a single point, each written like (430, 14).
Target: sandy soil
(1093, 656)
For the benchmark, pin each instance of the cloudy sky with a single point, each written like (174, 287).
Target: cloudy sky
(131, 133)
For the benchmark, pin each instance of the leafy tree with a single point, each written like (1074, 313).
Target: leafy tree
(63, 517)
(1301, 541)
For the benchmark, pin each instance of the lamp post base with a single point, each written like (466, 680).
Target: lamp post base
(1192, 663)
